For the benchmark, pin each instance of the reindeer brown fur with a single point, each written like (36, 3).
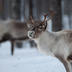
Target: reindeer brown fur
(12, 30)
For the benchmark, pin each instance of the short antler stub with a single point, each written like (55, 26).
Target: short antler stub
(49, 15)
(31, 19)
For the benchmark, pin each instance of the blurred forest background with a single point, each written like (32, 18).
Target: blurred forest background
(19, 9)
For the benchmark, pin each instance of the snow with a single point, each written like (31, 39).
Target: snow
(66, 22)
(27, 60)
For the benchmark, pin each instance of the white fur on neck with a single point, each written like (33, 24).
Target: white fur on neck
(50, 44)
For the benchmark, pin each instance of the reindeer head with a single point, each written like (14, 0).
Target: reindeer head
(39, 26)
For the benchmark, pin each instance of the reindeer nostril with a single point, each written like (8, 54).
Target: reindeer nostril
(30, 34)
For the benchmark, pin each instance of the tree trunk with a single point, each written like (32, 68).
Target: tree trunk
(16, 9)
(57, 20)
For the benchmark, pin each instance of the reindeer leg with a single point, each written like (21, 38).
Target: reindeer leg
(66, 64)
(12, 47)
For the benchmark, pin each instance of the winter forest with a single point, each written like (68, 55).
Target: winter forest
(21, 54)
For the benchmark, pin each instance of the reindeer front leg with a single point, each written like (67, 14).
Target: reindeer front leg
(12, 47)
(66, 64)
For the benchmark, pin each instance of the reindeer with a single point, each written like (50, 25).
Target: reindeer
(12, 30)
(57, 44)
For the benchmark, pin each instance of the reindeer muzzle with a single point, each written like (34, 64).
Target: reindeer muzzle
(31, 34)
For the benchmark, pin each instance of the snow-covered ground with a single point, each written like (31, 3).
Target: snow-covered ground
(27, 60)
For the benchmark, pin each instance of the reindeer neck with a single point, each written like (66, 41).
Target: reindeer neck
(45, 36)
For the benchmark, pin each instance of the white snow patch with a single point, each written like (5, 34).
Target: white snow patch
(27, 60)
